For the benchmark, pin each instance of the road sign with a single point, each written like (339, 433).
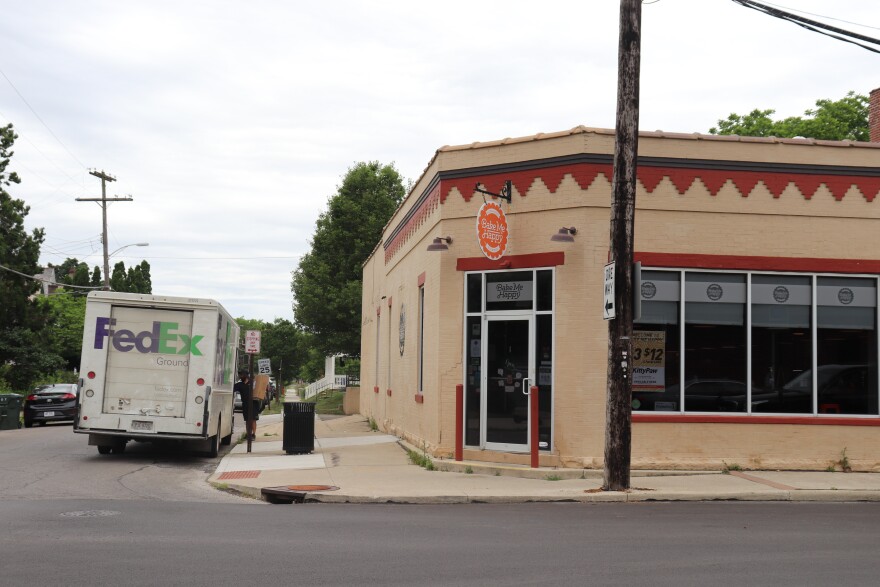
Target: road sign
(608, 305)
(264, 367)
(252, 342)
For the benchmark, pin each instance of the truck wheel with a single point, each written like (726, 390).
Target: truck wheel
(214, 448)
(104, 450)
(227, 440)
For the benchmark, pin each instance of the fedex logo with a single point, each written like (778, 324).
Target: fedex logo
(161, 339)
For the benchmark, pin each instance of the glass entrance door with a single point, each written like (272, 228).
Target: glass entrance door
(509, 357)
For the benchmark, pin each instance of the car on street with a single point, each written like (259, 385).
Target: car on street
(51, 403)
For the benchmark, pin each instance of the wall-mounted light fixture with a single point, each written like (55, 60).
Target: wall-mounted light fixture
(440, 243)
(565, 235)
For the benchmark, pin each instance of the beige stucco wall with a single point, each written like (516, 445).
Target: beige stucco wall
(666, 222)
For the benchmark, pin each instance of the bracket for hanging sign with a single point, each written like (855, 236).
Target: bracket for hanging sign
(506, 191)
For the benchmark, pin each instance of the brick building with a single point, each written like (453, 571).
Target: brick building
(758, 337)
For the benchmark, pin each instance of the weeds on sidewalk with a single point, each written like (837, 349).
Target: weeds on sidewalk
(373, 426)
(842, 462)
(552, 478)
(731, 467)
(420, 459)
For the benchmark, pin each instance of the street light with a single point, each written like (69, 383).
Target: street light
(107, 262)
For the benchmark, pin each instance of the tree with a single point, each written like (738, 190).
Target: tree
(97, 279)
(66, 314)
(19, 251)
(23, 356)
(833, 120)
(327, 284)
(119, 278)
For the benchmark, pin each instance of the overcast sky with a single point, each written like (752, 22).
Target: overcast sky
(232, 123)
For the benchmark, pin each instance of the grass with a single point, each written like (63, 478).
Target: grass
(552, 478)
(328, 403)
(373, 426)
(420, 459)
(731, 467)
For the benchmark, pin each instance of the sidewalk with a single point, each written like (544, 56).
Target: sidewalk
(353, 464)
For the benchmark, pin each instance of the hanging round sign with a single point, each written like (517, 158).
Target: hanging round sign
(492, 230)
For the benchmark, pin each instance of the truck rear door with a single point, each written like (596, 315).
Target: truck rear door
(148, 360)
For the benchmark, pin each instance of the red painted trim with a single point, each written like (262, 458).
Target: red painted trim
(813, 265)
(376, 389)
(745, 419)
(420, 399)
(389, 301)
(533, 424)
(422, 279)
(459, 422)
(512, 262)
(388, 392)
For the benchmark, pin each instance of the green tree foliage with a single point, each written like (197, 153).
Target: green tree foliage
(66, 314)
(327, 284)
(19, 251)
(834, 120)
(23, 356)
(281, 341)
(97, 279)
(119, 278)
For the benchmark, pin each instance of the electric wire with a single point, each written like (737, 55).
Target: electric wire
(32, 278)
(814, 26)
(867, 26)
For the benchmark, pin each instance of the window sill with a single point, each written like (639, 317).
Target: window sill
(675, 418)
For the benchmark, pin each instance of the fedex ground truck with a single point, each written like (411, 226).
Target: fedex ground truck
(156, 368)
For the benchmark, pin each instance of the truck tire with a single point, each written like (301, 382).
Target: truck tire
(227, 440)
(104, 449)
(214, 447)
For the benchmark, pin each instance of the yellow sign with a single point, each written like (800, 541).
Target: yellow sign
(649, 360)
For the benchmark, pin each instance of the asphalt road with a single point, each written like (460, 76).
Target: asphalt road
(69, 516)
(46, 462)
(139, 542)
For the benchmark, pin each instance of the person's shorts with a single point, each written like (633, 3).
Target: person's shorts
(252, 407)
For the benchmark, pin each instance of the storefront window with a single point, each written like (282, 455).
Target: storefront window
(545, 290)
(715, 343)
(782, 344)
(846, 346)
(474, 292)
(544, 366)
(509, 290)
(656, 344)
(472, 382)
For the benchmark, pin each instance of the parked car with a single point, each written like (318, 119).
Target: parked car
(51, 403)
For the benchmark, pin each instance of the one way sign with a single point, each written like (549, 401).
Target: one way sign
(608, 305)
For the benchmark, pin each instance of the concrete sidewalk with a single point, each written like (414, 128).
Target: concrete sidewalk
(363, 466)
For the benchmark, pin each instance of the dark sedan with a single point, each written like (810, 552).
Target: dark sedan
(50, 403)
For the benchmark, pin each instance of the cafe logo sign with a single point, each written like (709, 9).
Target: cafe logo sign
(845, 296)
(714, 292)
(649, 290)
(780, 294)
(492, 231)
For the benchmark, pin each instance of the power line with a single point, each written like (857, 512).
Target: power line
(32, 278)
(814, 26)
(40, 119)
(824, 16)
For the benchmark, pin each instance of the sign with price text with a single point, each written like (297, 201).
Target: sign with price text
(649, 360)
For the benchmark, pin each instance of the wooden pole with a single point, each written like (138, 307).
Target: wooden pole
(618, 414)
(250, 419)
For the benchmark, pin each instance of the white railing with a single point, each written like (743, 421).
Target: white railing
(327, 383)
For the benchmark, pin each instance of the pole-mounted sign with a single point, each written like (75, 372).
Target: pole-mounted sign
(608, 304)
(252, 342)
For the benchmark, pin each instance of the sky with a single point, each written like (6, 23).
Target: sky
(230, 124)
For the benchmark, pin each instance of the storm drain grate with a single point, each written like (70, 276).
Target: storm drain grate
(239, 475)
(292, 493)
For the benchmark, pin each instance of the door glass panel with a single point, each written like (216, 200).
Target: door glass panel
(545, 290)
(510, 290)
(474, 293)
(544, 362)
(507, 363)
(472, 382)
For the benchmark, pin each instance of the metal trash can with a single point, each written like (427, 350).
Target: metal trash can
(299, 427)
(10, 409)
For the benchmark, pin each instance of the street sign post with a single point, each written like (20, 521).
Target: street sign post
(608, 304)
(252, 342)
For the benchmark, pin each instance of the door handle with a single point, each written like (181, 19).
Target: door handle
(524, 388)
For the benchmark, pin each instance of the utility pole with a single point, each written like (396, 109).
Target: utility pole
(105, 177)
(618, 414)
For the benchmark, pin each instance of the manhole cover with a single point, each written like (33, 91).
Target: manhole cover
(312, 488)
(90, 514)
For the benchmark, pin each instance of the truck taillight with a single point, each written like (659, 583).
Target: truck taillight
(200, 381)
(91, 375)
